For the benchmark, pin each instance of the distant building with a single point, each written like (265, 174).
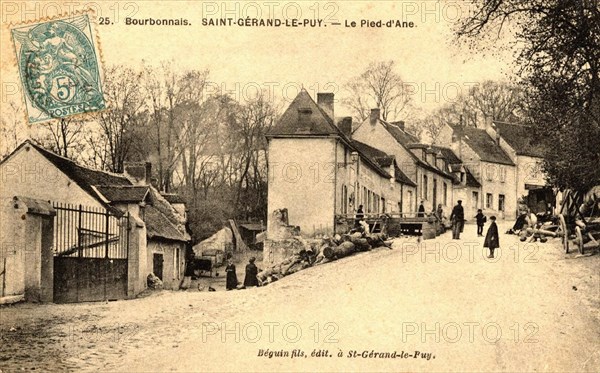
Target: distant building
(318, 173)
(426, 167)
(490, 164)
(107, 231)
(518, 143)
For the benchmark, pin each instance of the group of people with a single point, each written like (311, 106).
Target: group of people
(457, 218)
(250, 279)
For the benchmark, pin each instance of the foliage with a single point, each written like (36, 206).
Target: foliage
(558, 56)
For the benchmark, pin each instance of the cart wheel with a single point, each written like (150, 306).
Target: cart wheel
(579, 239)
(565, 232)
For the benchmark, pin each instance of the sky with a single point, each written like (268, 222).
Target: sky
(279, 59)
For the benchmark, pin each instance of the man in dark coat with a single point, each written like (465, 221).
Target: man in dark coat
(232, 280)
(457, 217)
(481, 219)
(492, 239)
(421, 210)
(251, 272)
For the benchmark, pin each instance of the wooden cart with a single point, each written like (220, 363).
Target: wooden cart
(579, 220)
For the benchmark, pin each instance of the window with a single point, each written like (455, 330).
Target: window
(411, 205)
(425, 188)
(445, 188)
(475, 199)
(501, 202)
(383, 205)
(502, 174)
(489, 201)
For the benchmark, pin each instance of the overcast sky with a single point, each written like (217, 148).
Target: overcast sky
(322, 59)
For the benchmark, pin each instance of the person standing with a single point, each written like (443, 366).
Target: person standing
(360, 215)
(457, 217)
(481, 219)
(232, 280)
(251, 272)
(492, 239)
(421, 210)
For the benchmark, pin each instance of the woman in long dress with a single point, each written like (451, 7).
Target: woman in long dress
(232, 280)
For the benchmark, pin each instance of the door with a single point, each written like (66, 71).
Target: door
(157, 266)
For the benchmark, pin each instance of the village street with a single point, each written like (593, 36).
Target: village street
(531, 309)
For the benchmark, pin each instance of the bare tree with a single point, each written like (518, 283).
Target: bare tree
(379, 86)
(65, 136)
(119, 123)
(498, 100)
(12, 128)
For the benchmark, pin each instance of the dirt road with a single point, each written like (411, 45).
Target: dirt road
(440, 305)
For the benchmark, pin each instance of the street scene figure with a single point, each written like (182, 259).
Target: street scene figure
(421, 210)
(359, 216)
(457, 217)
(492, 239)
(232, 280)
(251, 272)
(481, 219)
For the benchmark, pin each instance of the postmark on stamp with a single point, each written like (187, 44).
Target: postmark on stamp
(59, 65)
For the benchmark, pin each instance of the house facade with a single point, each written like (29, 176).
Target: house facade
(518, 143)
(102, 222)
(318, 174)
(426, 167)
(491, 166)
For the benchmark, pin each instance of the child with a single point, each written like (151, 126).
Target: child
(481, 219)
(492, 239)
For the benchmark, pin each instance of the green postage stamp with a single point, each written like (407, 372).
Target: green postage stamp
(59, 65)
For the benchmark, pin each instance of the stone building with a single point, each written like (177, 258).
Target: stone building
(317, 173)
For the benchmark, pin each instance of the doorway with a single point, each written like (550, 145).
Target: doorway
(157, 265)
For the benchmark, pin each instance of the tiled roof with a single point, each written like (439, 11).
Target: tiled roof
(448, 154)
(163, 226)
(85, 177)
(520, 138)
(173, 198)
(383, 160)
(484, 146)
(159, 226)
(160, 217)
(430, 166)
(399, 135)
(318, 123)
(472, 181)
(123, 193)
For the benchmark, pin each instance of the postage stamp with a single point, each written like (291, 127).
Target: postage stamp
(59, 65)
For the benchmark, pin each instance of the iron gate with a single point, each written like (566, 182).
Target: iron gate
(91, 247)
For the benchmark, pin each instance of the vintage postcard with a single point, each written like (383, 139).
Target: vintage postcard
(300, 186)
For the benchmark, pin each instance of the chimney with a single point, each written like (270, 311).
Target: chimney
(345, 125)
(304, 115)
(375, 113)
(140, 173)
(399, 124)
(325, 102)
